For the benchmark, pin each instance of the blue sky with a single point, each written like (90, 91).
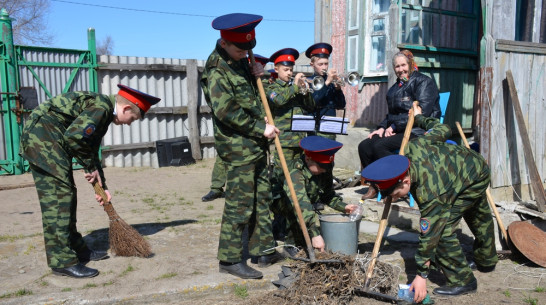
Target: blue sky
(177, 29)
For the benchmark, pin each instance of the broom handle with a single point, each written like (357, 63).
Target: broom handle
(388, 202)
(487, 191)
(100, 191)
(284, 166)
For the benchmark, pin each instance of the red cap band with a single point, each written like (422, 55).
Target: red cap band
(320, 51)
(237, 36)
(383, 185)
(318, 157)
(286, 57)
(135, 99)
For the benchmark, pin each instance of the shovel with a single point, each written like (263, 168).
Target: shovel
(388, 201)
(278, 147)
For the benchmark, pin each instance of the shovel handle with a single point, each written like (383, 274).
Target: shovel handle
(487, 192)
(284, 166)
(388, 202)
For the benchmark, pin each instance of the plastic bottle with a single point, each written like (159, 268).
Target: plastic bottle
(356, 213)
(405, 294)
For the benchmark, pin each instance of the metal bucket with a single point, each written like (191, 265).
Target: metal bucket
(340, 233)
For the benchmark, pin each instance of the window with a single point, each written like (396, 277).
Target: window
(353, 27)
(376, 37)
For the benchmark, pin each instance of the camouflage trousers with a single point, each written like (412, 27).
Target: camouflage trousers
(58, 202)
(248, 198)
(218, 179)
(471, 205)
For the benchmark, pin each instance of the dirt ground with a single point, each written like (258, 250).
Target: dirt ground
(165, 206)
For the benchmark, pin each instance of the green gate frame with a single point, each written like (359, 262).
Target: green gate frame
(11, 60)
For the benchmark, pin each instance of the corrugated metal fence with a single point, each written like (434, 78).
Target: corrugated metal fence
(175, 81)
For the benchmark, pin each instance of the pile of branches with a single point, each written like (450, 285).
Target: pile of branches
(331, 283)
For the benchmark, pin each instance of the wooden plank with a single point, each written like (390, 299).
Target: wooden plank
(536, 181)
(520, 46)
(192, 83)
(168, 110)
(119, 147)
(484, 115)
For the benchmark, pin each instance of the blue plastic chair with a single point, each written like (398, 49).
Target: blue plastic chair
(444, 100)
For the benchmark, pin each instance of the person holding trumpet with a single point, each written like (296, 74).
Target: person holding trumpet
(329, 97)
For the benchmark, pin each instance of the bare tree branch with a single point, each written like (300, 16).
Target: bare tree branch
(105, 46)
(30, 21)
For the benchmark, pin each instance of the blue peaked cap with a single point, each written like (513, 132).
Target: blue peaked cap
(320, 149)
(387, 171)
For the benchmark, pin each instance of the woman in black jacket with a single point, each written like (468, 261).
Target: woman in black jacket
(410, 86)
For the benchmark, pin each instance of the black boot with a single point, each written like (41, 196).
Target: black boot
(212, 195)
(241, 270)
(459, 290)
(91, 255)
(77, 271)
(267, 260)
(484, 269)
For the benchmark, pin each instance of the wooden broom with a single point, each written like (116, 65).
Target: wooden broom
(124, 239)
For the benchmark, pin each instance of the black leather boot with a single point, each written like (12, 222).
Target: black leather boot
(267, 260)
(212, 195)
(241, 270)
(458, 290)
(77, 271)
(91, 255)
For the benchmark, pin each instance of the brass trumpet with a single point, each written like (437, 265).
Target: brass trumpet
(303, 85)
(352, 79)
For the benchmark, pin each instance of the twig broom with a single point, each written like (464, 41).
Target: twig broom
(124, 239)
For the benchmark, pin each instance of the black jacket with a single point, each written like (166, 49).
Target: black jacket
(400, 97)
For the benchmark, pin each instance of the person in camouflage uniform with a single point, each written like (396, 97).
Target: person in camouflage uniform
(218, 179)
(286, 98)
(68, 126)
(448, 183)
(313, 183)
(241, 140)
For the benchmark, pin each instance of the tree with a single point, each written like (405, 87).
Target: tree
(30, 21)
(105, 46)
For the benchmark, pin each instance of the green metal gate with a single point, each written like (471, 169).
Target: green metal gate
(18, 60)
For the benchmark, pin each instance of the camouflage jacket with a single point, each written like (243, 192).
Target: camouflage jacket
(439, 172)
(328, 99)
(284, 100)
(71, 123)
(312, 189)
(232, 94)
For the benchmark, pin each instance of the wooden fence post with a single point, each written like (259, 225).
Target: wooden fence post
(192, 83)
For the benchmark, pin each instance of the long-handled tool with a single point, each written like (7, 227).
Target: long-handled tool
(124, 239)
(487, 192)
(285, 167)
(388, 201)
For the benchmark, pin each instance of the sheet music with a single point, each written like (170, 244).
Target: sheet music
(302, 122)
(333, 124)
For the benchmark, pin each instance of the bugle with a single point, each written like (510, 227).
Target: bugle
(352, 79)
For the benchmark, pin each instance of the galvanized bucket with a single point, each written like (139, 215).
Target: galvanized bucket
(340, 233)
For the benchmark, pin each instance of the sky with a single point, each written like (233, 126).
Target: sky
(177, 28)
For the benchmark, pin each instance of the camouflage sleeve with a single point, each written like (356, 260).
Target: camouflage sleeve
(306, 206)
(330, 197)
(280, 96)
(228, 109)
(434, 216)
(308, 103)
(436, 132)
(80, 137)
